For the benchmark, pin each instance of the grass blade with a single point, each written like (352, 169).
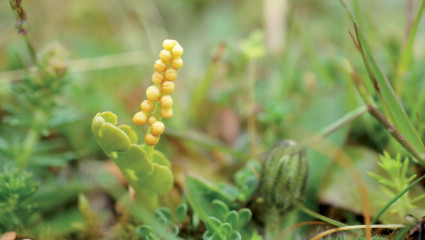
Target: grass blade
(406, 56)
(388, 96)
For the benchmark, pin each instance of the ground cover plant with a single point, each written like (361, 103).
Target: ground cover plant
(275, 119)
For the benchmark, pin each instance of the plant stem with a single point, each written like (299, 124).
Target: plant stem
(273, 221)
(325, 233)
(395, 133)
(251, 106)
(30, 48)
(344, 120)
(316, 215)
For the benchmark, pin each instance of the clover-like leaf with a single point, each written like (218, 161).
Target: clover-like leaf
(220, 209)
(225, 229)
(212, 224)
(244, 216)
(235, 236)
(232, 218)
(181, 212)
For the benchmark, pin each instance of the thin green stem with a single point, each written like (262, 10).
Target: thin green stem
(317, 215)
(273, 221)
(30, 48)
(395, 133)
(344, 120)
(395, 198)
(251, 104)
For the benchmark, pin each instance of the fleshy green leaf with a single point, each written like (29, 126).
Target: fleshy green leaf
(220, 209)
(181, 212)
(130, 133)
(232, 218)
(159, 158)
(160, 181)
(244, 216)
(134, 162)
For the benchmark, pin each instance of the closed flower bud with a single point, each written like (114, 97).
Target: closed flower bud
(168, 87)
(147, 106)
(168, 44)
(166, 101)
(157, 78)
(157, 128)
(284, 176)
(151, 120)
(151, 139)
(165, 55)
(177, 63)
(166, 113)
(177, 51)
(170, 74)
(153, 93)
(160, 66)
(140, 118)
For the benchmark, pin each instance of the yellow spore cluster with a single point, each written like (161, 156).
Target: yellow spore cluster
(159, 102)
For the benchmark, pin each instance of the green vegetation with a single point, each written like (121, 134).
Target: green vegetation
(288, 119)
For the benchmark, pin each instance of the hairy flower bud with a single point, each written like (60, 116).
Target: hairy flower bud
(284, 176)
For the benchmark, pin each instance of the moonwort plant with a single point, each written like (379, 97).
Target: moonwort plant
(147, 170)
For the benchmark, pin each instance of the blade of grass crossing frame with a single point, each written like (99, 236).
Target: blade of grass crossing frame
(399, 115)
(407, 53)
(397, 112)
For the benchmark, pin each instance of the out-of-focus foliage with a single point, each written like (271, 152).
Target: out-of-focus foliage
(236, 95)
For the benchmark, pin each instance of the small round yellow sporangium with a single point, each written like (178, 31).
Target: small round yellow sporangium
(146, 106)
(177, 63)
(177, 51)
(166, 113)
(140, 118)
(165, 55)
(170, 74)
(168, 87)
(168, 44)
(157, 78)
(166, 101)
(151, 120)
(157, 128)
(153, 93)
(160, 66)
(151, 139)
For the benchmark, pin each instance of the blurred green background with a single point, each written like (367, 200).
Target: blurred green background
(278, 64)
